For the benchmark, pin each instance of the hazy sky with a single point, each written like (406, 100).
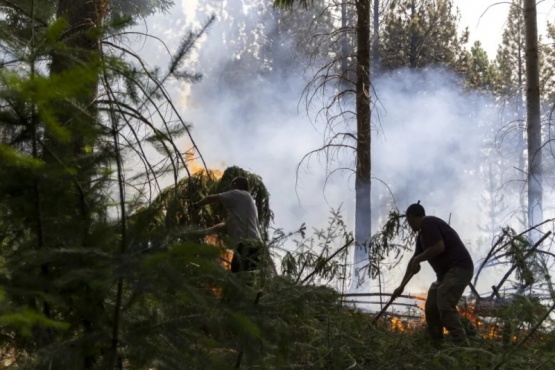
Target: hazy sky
(485, 19)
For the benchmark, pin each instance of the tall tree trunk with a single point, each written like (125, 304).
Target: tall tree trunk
(344, 40)
(413, 39)
(535, 212)
(83, 19)
(520, 111)
(363, 168)
(376, 40)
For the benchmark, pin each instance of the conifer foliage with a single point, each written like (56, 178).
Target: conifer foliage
(421, 33)
(77, 106)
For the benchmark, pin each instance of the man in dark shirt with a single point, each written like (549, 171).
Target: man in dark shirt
(441, 246)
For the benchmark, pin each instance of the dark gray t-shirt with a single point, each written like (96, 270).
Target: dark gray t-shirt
(434, 229)
(242, 216)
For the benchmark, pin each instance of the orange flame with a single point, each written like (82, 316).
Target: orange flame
(398, 324)
(485, 330)
(196, 168)
(226, 255)
(422, 300)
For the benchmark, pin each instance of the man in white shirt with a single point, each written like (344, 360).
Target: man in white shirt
(241, 224)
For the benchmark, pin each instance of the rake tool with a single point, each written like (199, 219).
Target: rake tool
(403, 284)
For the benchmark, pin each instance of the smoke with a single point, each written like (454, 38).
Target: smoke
(433, 141)
(430, 147)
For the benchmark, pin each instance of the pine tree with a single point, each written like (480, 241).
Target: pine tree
(422, 33)
(548, 66)
(262, 43)
(62, 148)
(548, 97)
(480, 72)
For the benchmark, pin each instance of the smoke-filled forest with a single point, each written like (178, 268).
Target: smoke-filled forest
(128, 128)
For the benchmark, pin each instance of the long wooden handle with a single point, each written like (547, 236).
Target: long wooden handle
(403, 284)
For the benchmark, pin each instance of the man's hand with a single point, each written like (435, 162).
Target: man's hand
(397, 292)
(415, 266)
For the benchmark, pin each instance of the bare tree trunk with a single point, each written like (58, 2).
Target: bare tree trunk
(535, 212)
(363, 168)
(521, 144)
(376, 40)
(344, 40)
(413, 40)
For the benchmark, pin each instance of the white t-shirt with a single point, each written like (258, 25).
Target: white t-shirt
(242, 216)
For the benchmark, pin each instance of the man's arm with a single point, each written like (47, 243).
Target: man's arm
(212, 230)
(430, 252)
(208, 200)
(411, 269)
(432, 242)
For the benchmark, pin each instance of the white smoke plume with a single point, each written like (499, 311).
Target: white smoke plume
(432, 141)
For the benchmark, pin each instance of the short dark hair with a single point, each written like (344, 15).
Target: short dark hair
(416, 209)
(240, 183)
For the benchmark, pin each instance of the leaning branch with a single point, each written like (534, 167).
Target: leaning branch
(528, 254)
(492, 251)
(324, 263)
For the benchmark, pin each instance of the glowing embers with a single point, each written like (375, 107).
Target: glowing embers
(406, 323)
(398, 324)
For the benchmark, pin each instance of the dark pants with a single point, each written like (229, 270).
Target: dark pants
(441, 305)
(245, 257)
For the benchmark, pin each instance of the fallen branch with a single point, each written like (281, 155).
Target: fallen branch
(410, 296)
